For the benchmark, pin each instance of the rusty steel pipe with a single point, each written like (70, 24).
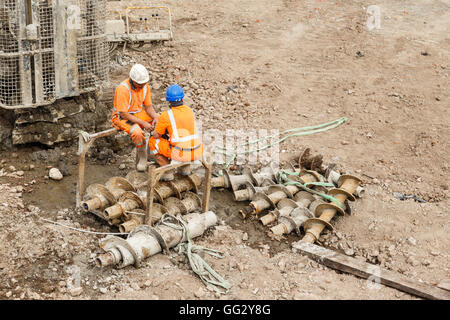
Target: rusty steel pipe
(133, 220)
(166, 189)
(285, 206)
(274, 195)
(314, 226)
(131, 224)
(233, 181)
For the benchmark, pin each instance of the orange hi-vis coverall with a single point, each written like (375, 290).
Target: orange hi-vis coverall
(184, 143)
(133, 101)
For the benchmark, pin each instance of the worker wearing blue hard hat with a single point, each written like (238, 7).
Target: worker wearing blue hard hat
(175, 136)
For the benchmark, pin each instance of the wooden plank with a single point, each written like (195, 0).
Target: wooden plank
(444, 284)
(150, 194)
(207, 186)
(341, 262)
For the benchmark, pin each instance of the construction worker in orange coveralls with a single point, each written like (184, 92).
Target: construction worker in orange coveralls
(175, 136)
(133, 111)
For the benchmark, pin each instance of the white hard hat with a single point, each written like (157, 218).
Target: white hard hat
(139, 74)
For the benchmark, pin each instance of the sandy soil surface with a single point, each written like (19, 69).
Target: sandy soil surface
(290, 64)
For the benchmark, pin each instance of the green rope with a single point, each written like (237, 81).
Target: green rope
(296, 132)
(282, 177)
(207, 274)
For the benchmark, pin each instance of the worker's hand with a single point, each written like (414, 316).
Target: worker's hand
(155, 120)
(147, 126)
(137, 134)
(156, 135)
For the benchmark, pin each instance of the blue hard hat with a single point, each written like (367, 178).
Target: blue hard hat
(174, 93)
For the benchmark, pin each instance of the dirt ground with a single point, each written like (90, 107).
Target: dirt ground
(291, 64)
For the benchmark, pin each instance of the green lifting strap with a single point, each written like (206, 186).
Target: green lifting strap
(296, 132)
(207, 274)
(283, 179)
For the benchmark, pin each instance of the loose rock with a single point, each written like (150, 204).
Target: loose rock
(74, 292)
(55, 174)
(412, 241)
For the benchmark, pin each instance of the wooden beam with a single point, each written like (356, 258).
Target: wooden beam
(341, 262)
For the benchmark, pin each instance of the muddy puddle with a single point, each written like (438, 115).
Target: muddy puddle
(57, 195)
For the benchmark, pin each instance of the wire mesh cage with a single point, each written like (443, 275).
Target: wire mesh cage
(91, 45)
(45, 56)
(10, 87)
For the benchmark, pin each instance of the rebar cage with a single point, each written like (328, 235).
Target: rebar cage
(50, 49)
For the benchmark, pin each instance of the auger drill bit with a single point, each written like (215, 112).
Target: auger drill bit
(172, 205)
(145, 241)
(293, 221)
(136, 217)
(119, 186)
(233, 182)
(101, 196)
(313, 227)
(165, 189)
(189, 203)
(128, 201)
(249, 192)
(301, 199)
(310, 162)
(275, 193)
(333, 177)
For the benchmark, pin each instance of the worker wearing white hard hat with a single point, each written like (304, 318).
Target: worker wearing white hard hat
(133, 111)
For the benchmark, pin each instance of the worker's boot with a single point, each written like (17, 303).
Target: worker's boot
(141, 158)
(163, 161)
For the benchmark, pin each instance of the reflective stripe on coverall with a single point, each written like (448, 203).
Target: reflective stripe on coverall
(136, 99)
(184, 143)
